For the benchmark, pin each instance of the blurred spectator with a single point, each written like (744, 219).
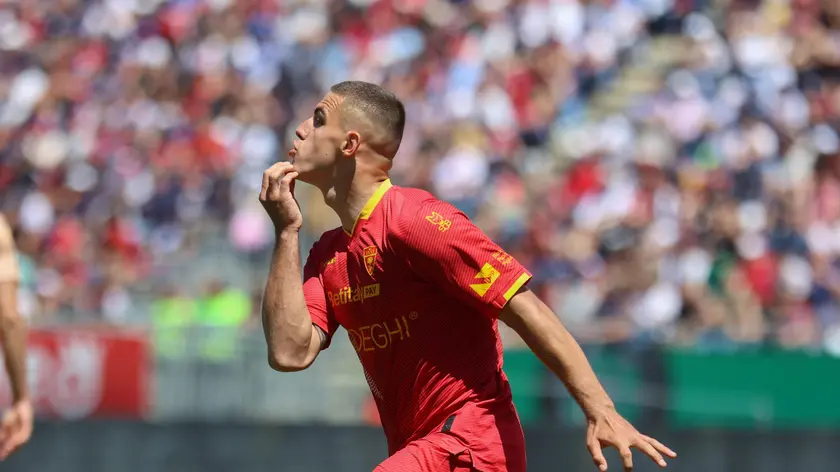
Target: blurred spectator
(173, 315)
(222, 315)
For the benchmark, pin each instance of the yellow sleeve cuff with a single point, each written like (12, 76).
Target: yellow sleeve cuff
(516, 286)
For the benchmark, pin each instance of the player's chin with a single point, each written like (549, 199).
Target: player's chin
(304, 175)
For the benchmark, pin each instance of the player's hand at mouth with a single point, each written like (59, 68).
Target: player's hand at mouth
(608, 429)
(278, 197)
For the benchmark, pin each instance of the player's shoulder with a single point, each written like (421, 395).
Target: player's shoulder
(408, 202)
(410, 207)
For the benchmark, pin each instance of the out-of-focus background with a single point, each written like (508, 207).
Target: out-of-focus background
(668, 169)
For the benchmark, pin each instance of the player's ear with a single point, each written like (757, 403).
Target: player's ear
(352, 141)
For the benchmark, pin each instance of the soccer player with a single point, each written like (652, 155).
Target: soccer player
(16, 425)
(419, 290)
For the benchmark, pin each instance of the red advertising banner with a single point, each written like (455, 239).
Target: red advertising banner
(82, 372)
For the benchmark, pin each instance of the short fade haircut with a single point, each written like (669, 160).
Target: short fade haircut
(370, 105)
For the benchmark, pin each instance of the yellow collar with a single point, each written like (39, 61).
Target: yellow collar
(371, 204)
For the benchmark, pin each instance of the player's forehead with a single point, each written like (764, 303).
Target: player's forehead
(330, 103)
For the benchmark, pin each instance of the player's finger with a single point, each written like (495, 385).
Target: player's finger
(280, 183)
(659, 446)
(274, 173)
(266, 182)
(275, 183)
(279, 170)
(8, 445)
(284, 167)
(7, 428)
(648, 449)
(271, 175)
(279, 166)
(597, 454)
(25, 435)
(626, 457)
(12, 447)
(289, 178)
(7, 449)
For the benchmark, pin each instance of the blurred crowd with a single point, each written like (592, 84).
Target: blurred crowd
(668, 169)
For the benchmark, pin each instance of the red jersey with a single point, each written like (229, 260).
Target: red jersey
(418, 288)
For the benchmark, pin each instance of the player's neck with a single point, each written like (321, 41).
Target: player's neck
(349, 198)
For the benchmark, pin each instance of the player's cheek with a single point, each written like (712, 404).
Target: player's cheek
(308, 151)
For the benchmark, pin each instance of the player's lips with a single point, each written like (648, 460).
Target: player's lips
(294, 150)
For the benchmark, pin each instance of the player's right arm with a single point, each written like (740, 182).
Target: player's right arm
(293, 340)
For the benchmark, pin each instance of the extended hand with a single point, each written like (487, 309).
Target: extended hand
(15, 428)
(607, 428)
(278, 196)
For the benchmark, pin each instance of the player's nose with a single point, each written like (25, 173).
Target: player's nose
(302, 130)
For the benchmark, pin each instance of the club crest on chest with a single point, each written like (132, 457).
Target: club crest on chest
(369, 254)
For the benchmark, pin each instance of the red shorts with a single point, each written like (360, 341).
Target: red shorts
(423, 455)
(482, 436)
(501, 449)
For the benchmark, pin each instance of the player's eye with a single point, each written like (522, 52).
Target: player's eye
(318, 120)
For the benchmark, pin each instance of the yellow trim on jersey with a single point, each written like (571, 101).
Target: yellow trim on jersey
(516, 286)
(371, 204)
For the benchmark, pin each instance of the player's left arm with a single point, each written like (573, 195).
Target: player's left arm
(540, 328)
(441, 245)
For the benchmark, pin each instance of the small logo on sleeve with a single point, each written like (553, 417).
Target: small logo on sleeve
(488, 275)
(370, 259)
(503, 257)
(438, 220)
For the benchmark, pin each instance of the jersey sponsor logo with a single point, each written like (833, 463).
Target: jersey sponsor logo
(503, 257)
(329, 262)
(352, 294)
(381, 335)
(438, 220)
(488, 275)
(370, 259)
